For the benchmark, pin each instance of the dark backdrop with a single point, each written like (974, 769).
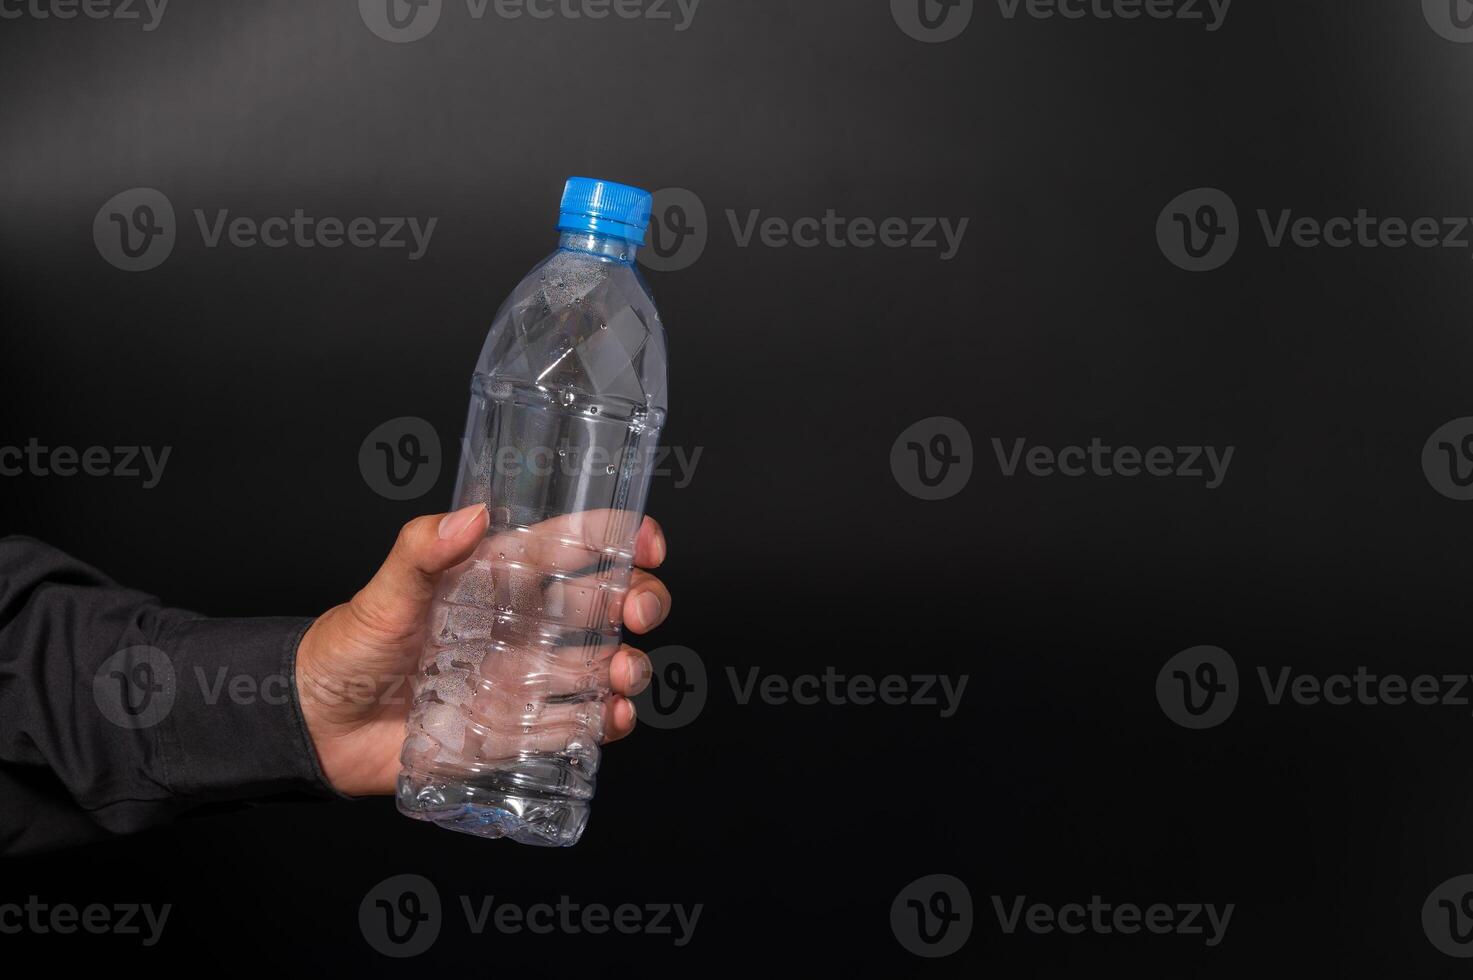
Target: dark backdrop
(796, 547)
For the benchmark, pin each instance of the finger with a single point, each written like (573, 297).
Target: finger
(567, 543)
(647, 603)
(555, 674)
(531, 670)
(619, 718)
(601, 602)
(395, 602)
(649, 544)
(630, 671)
(581, 602)
(507, 731)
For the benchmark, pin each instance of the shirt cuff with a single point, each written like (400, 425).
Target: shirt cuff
(235, 728)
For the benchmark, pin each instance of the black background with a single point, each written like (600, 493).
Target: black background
(793, 372)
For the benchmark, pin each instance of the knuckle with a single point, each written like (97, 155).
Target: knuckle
(370, 617)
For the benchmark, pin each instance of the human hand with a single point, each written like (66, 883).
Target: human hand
(356, 662)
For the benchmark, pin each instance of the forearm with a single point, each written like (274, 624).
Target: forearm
(116, 713)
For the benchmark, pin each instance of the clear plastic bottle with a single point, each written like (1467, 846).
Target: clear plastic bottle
(566, 407)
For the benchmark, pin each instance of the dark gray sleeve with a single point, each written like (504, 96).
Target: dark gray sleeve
(116, 713)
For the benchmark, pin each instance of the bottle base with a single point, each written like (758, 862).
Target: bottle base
(491, 812)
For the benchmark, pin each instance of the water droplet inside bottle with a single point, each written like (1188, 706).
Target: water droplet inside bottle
(610, 469)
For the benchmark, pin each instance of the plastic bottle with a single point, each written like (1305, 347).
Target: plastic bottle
(567, 402)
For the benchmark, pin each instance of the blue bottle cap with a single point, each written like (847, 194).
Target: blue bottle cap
(603, 207)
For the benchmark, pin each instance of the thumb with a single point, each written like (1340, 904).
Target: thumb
(395, 603)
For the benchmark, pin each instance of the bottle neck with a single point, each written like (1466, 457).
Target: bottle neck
(604, 246)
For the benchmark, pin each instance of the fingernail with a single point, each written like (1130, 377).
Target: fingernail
(649, 608)
(629, 714)
(640, 670)
(660, 548)
(453, 525)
